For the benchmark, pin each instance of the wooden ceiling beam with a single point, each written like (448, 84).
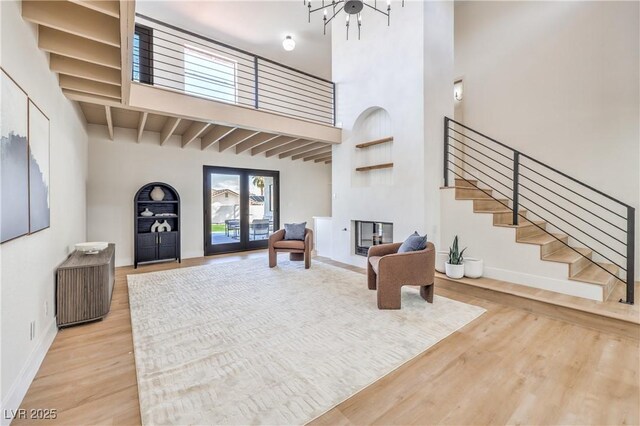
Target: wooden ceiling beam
(322, 160)
(73, 19)
(88, 86)
(107, 113)
(302, 149)
(323, 148)
(168, 129)
(193, 131)
(127, 29)
(297, 143)
(281, 140)
(54, 41)
(318, 156)
(327, 162)
(254, 141)
(235, 138)
(214, 135)
(82, 69)
(141, 123)
(110, 8)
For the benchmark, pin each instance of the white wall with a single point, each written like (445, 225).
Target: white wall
(28, 263)
(397, 69)
(558, 81)
(117, 169)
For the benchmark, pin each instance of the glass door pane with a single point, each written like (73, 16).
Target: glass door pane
(225, 197)
(262, 206)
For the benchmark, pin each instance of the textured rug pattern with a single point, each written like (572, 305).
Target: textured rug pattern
(239, 343)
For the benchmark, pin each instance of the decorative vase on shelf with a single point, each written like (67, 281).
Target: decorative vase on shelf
(167, 227)
(155, 226)
(454, 271)
(441, 259)
(473, 268)
(157, 194)
(146, 213)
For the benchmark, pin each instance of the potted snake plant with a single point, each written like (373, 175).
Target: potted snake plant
(454, 267)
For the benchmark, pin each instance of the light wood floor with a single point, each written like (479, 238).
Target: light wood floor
(509, 366)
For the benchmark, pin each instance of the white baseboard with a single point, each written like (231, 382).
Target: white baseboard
(571, 288)
(11, 402)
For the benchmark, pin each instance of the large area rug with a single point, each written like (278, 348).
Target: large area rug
(239, 343)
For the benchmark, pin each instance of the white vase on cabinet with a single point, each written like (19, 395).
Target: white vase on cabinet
(157, 194)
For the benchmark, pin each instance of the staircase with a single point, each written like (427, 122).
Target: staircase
(571, 222)
(554, 247)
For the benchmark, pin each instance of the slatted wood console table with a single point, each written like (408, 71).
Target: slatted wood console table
(84, 285)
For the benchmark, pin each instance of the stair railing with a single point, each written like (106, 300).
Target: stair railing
(588, 216)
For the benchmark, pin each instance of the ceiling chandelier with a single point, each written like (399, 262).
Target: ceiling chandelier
(351, 7)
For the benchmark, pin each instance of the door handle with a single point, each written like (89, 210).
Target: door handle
(160, 238)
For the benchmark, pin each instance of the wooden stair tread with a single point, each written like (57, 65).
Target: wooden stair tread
(567, 255)
(541, 239)
(595, 275)
(522, 223)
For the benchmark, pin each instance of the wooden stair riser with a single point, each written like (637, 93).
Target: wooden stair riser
(472, 193)
(468, 184)
(489, 205)
(608, 289)
(553, 246)
(529, 231)
(507, 218)
(578, 265)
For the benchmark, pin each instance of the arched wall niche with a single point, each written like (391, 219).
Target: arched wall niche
(372, 124)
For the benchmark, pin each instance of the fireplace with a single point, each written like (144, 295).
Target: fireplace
(370, 233)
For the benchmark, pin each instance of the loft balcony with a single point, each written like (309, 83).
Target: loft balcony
(168, 57)
(131, 71)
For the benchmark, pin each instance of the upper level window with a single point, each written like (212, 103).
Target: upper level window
(209, 75)
(143, 54)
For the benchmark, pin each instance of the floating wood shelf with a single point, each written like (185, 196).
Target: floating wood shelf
(376, 142)
(376, 167)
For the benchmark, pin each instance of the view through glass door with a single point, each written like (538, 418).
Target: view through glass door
(240, 208)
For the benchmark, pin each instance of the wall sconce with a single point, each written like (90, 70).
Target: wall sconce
(457, 90)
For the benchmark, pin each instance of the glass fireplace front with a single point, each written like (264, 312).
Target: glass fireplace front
(371, 234)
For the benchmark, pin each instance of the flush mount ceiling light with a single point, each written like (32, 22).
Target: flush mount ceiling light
(350, 7)
(288, 43)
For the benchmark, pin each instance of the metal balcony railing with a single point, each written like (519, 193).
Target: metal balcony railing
(172, 58)
(588, 216)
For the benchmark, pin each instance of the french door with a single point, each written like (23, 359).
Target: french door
(241, 208)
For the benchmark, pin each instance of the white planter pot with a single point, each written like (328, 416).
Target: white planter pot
(473, 268)
(441, 259)
(454, 271)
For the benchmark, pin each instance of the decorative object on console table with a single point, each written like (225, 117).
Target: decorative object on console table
(84, 285)
(455, 265)
(154, 240)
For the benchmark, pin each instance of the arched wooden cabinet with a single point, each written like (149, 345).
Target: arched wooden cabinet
(156, 203)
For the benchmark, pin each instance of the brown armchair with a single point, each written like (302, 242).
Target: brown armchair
(297, 249)
(388, 271)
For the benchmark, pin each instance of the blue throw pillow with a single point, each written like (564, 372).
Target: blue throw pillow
(413, 243)
(294, 231)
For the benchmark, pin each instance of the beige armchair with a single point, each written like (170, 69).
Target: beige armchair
(297, 249)
(388, 271)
